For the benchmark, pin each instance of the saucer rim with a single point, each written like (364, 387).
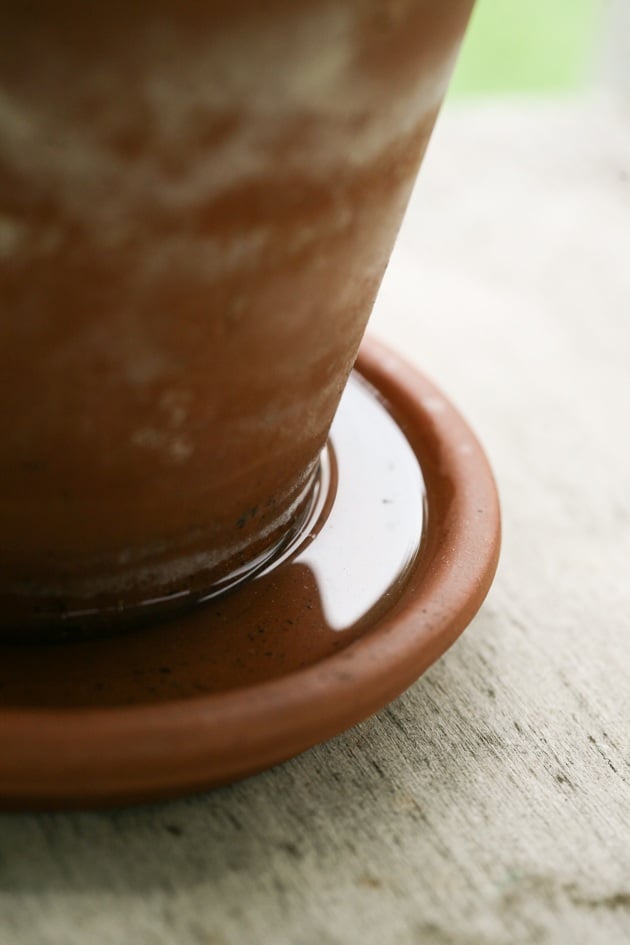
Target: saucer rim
(109, 756)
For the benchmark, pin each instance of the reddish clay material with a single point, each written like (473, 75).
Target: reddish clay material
(198, 203)
(258, 676)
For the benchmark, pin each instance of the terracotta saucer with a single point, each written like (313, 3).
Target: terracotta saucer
(398, 553)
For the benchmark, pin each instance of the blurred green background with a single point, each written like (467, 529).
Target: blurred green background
(527, 46)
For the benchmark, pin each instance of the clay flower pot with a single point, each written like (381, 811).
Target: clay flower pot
(197, 204)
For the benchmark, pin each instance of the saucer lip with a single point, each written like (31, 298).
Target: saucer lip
(125, 754)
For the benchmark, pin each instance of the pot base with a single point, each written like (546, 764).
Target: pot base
(400, 549)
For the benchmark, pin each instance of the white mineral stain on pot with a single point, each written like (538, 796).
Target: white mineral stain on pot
(175, 404)
(322, 82)
(168, 438)
(11, 235)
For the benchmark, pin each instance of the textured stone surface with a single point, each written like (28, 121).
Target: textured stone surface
(491, 803)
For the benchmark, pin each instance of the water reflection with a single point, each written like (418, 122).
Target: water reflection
(372, 534)
(326, 591)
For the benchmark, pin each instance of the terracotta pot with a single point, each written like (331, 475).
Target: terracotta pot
(197, 204)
